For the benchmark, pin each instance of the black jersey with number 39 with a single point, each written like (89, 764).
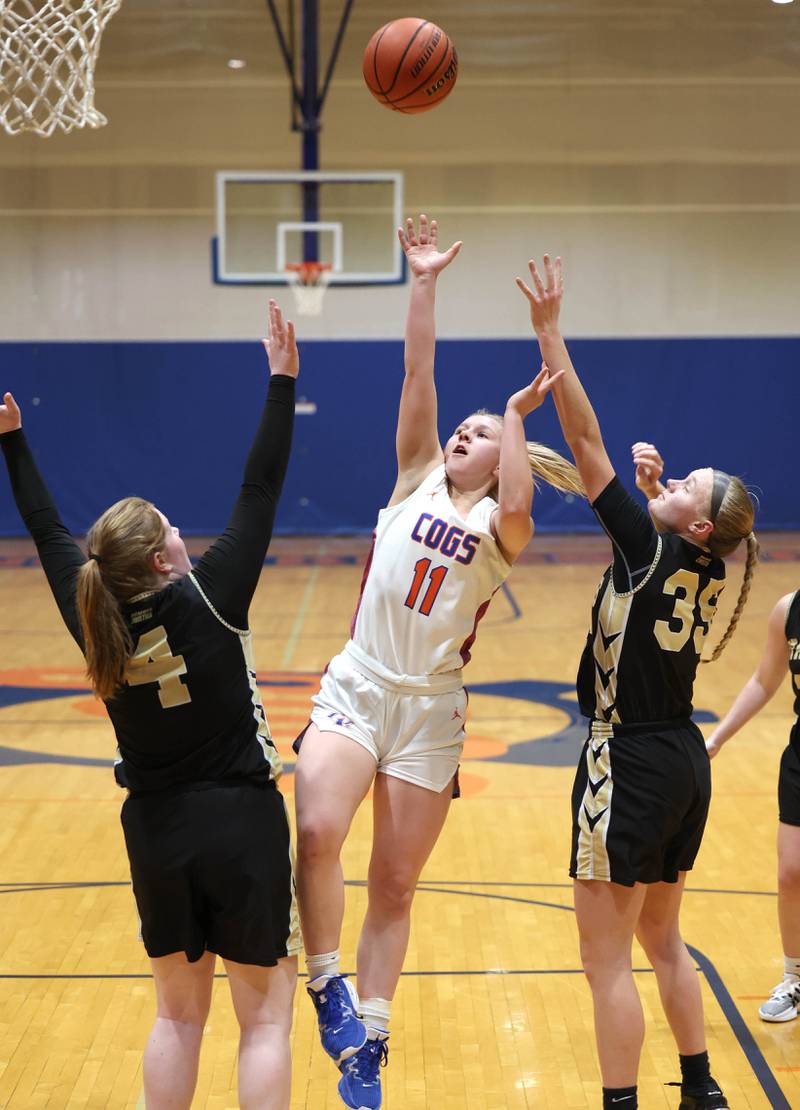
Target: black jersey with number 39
(189, 711)
(650, 617)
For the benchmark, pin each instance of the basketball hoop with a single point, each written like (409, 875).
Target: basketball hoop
(308, 281)
(48, 52)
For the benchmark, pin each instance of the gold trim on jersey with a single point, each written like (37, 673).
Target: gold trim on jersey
(612, 622)
(262, 724)
(594, 815)
(294, 943)
(230, 627)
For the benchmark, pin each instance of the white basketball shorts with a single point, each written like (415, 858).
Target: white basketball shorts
(413, 736)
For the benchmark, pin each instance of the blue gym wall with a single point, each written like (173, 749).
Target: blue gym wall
(172, 421)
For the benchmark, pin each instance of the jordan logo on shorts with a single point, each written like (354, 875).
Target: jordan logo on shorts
(456, 714)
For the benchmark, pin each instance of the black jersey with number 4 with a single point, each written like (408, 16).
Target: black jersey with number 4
(189, 712)
(652, 612)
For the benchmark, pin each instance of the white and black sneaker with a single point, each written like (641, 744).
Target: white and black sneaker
(783, 1003)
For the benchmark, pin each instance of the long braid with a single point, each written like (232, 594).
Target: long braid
(749, 569)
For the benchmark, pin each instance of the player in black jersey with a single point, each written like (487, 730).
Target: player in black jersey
(643, 785)
(168, 649)
(782, 652)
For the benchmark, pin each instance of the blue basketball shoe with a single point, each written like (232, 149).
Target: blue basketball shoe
(340, 1029)
(360, 1085)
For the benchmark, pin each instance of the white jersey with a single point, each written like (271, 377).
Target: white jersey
(428, 581)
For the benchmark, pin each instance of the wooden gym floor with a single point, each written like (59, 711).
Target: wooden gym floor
(492, 1012)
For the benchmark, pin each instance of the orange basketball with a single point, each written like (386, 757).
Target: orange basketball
(410, 65)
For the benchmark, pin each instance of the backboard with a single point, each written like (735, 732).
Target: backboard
(348, 219)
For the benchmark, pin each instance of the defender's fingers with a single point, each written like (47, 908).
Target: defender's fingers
(523, 288)
(550, 381)
(537, 278)
(548, 269)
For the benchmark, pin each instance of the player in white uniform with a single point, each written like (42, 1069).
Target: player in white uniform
(393, 701)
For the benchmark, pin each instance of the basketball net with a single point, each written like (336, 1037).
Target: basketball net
(48, 52)
(308, 282)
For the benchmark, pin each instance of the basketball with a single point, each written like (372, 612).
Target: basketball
(410, 65)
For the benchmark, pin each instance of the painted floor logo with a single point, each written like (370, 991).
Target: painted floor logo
(65, 699)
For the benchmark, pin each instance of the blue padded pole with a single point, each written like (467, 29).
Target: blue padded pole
(311, 123)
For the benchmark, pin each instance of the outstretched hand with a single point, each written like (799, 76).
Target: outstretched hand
(649, 466)
(533, 395)
(422, 248)
(280, 344)
(10, 416)
(545, 297)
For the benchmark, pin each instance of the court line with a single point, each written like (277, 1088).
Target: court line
(292, 562)
(568, 886)
(516, 611)
(404, 974)
(300, 615)
(21, 887)
(761, 1069)
(747, 1043)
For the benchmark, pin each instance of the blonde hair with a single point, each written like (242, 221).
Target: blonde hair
(547, 464)
(121, 545)
(732, 524)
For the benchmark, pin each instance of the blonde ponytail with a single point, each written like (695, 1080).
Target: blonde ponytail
(547, 464)
(121, 545)
(554, 469)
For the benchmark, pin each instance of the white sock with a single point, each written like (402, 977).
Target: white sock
(791, 966)
(321, 968)
(375, 1013)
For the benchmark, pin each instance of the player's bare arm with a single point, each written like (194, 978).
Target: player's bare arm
(511, 520)
(417, 440)
(762, 684)
(578, 421)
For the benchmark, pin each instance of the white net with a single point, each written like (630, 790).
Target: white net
(48, 51)
(308, 281)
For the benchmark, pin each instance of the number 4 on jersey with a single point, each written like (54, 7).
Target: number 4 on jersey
(153, 661)
(437, 576)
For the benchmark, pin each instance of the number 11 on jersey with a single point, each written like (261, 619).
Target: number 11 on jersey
(436, 577)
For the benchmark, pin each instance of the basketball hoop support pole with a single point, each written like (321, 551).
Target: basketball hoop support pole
(309, 98)
(311, 124)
